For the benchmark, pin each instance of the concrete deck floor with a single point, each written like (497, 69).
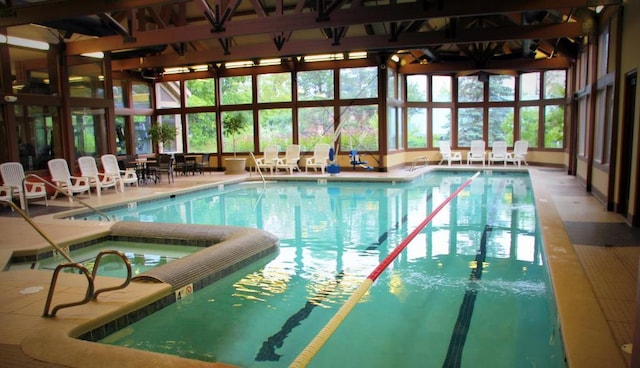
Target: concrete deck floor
(592, 255)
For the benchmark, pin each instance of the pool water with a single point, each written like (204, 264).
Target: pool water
(143, 256)
(471, 290)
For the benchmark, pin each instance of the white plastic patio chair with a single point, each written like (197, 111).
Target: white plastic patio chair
(13, 176)
(110, 167)
(270, 158)
(64, 181)
(320, 158)
(290, 160)
(447, 154)
(97, 179)
(476, 153)
(519, 153)
(498, 153)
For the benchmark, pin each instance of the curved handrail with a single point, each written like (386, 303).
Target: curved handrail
(54, 279)
(37, 228)
(318, 341)
(24, 180)
(255, 162)
(415, 162)
(95, 271)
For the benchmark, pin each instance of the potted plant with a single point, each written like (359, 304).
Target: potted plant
(162, 133)
(232, 125)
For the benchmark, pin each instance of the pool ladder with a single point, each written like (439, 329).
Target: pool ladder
(91, 293)
(415, 162)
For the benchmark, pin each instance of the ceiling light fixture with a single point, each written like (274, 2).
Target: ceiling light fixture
(323, 57)
(265, 62)
(24, 42)
(238, 64)
(95, 55)
(358, 55)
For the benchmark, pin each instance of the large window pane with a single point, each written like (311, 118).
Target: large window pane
(315, 125)
(554, 83)
(89, 127)
(121, 135)
(440, 125)
(315, 85)
(236, 90)
(582, 126)
(244, 140)
(530, 86)
(469, 125)
(141, 95)
(167, 95)
(470, 89)
(37, 140)
(553, 126)
(392, 128)
(500, 125)
(201, 135)
(417, 88)
(441, 88)
(142, 123)
(86, 80)
(173, 120)
(275, 127)
(529, 119)
(359, 82)
(274, 87)
(200, 92)
(417, 128)
(360, 129)
(502, 87)
(118, 93)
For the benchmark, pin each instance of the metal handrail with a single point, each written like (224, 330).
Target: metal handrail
(37, 228)
(255, 162)
(54, 279)
(26, 204)
(415, 162)
(95, 271)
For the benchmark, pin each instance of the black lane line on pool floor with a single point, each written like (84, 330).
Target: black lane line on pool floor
(268, 350)
(461, 329)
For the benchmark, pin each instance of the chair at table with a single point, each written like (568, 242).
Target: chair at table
(290, 160)
(111, 167)
(98, 180)
(165, 164)
(13, 176)
(498, 153)
(320, 158)
(270, 158)
(65, 182)
(204, 164)
(519, 153)
(476, 153)
(447, 154)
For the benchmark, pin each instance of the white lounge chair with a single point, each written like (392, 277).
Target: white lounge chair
(476, 153)
(270, 158)
(320, 158)
(65, 182)
(498, 153)
(290, 160)
(6, 194)
(519, 153)
(447, 154)
(13, 176)
(110, 167)
(97, 179)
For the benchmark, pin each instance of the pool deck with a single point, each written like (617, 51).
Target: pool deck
(592, 255)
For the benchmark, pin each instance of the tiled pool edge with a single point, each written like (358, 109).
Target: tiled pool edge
(587, 339)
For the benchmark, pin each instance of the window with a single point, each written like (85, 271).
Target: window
(202, 132)
(529, 121)
(275, 127)
(89, 127)
(502, 88)
(603, 52)
(142, 123)
(553, 126)
(441, 125)
(168, 95)
(38, 136)
(359, 83)
(236, 90)
(582, 126)
(392, 128)
(315, 126)
(417, 127)
(175, 121)
(554, 84)
(200, 92)
(85, 80)
(470, 124)
(441, 88)
(530, 86)
(118, 94)
(500, 125)
(315, 85)
(141, 95)
(360, 128)
(243, 142)
(121, 135)
(274, 87)
(417, 88)
(470, 89)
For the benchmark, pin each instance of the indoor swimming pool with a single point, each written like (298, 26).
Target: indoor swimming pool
(471, 290)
